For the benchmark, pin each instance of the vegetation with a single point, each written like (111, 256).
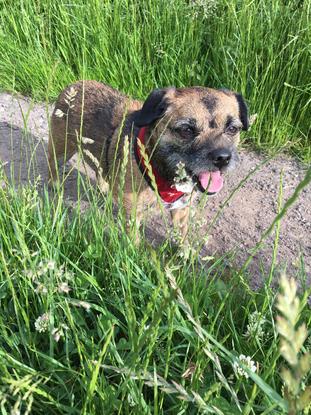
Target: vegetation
(260, 48)
(92, 324)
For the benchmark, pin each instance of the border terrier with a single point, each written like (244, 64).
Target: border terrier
(181, 139)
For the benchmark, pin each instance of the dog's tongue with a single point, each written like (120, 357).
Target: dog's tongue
(213, 180)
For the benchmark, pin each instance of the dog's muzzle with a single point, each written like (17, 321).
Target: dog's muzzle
(211, 179)
(220, 157)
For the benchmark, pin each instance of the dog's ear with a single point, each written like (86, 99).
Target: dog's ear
(243, 111)
(154, 108)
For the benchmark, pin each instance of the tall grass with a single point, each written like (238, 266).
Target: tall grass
(89, 322)
(259, 48)
(92, 324)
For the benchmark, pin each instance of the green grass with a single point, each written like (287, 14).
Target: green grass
(260, 48)
(141, 331)
(138, 330)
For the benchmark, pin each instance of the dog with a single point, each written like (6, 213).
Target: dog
(193, 131)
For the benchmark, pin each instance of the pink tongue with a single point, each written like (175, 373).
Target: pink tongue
(213, 180)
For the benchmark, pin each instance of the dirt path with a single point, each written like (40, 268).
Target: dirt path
(240, 225)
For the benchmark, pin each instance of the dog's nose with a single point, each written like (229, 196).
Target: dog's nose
(221, 157)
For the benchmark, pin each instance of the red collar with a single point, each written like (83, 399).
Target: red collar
(167, 192)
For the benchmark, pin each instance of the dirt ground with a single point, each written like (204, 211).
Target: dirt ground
(23, 142)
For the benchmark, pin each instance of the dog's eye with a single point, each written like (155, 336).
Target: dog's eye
(232, 130)
(186, 131)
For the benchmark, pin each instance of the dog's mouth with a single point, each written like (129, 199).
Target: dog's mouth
(209, 181)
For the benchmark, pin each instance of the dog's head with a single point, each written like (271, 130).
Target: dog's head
(199, 127)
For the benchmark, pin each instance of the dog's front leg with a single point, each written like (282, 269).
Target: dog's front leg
(180, 218)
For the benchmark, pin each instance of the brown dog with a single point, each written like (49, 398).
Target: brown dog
(187, 132)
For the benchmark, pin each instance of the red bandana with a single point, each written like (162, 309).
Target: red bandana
(167, 192)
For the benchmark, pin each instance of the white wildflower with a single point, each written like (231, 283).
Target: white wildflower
(29, 273)
(63, 287)
(59, 113)
(254, 328)
(42, 277)
(62, 273)
(59, 272)
(58, 332)
(42, 269)
(41, 289)
(42, 323)
(247, 361)
(50, 264)
(85, 305)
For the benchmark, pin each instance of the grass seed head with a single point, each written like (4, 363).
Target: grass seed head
(70, 97)
(254, 329)
(182, 181)
(59, 113)
(291, 343)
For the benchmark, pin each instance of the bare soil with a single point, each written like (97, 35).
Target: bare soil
(23, 143)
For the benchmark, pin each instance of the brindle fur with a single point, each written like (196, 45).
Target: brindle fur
(106, 116)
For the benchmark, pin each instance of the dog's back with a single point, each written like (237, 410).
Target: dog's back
(85, 110)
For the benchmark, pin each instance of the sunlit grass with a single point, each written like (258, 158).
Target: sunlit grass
(92, 324)
(259, 48)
